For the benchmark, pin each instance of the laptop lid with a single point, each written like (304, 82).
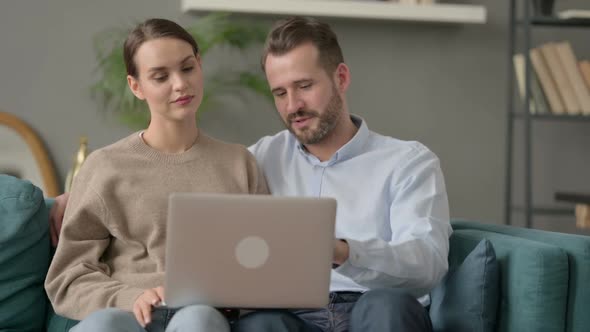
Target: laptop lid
(249, 251)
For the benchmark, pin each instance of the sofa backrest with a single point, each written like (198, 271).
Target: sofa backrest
(533, 279)
(24, 255)
(577, 248)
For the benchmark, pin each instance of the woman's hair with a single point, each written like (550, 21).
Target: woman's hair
(152, 29)
(292, 32)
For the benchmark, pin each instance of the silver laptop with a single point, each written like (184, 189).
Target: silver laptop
(249, 251)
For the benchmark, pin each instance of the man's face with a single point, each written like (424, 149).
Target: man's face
(306, 97)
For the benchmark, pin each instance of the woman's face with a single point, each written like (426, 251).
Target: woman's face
(169, 79)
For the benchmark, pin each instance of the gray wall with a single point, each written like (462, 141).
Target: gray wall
(441, 85)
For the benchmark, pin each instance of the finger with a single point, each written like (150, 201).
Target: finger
(146, 310)
(60, 213)
(52, 233)
(138, 314)
(160, 293)
(151, 296)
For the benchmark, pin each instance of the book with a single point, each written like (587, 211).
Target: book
(547, 82)
(574, 14)
(585, 70)
(566, 91)
(574, 75)
(538, 103)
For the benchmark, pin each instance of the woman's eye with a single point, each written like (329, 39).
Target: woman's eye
(187, 69)
(160, 78)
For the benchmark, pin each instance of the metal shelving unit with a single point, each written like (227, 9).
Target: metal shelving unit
(527, 23)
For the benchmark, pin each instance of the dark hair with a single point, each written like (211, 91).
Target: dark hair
(152, 29)
(292, 32)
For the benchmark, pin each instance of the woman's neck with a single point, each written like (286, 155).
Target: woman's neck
(171, 137)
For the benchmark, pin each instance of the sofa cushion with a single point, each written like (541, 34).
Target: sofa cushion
(533, 279)
(577, 248)
(24, 255)
(467, 299)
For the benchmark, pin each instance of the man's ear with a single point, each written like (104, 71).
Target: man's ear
(135, 87)
(342, 77)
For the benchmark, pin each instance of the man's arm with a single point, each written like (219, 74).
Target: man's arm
(415, 258)
(56, 216)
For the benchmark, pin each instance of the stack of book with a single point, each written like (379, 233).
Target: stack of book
(560, 84)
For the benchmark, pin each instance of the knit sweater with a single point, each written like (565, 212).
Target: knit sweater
(112, 241)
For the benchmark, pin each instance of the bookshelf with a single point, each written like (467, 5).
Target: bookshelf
(527, 23)
(354, 9)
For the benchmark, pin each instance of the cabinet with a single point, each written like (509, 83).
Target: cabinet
(526, 23)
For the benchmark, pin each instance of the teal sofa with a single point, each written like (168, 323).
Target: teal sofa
(541, 287)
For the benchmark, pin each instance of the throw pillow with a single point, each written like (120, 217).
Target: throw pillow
(467, 298)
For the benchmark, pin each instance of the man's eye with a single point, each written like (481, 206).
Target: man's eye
(279, 94)
(187, 69)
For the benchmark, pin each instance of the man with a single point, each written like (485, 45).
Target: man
(393, 217)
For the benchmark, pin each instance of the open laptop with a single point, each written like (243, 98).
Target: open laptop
(249, 251)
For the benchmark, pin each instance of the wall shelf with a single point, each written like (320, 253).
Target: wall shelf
(371, 10)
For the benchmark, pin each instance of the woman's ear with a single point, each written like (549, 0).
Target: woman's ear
(135, 87)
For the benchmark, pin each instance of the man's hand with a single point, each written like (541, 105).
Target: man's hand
(56, 217)
(142, 308)
(341, 251)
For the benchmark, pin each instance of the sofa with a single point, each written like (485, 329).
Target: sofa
(541, 286)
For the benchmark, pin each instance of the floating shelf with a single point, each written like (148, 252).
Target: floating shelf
(370, 10)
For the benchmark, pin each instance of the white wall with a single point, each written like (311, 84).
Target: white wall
(442, 85)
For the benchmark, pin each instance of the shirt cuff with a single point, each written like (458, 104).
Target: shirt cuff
(350, 268)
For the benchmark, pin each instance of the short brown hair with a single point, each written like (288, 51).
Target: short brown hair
(292, 32)
(152, 29)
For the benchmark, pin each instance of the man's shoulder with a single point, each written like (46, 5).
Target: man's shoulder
(278, 142)
(398, 147)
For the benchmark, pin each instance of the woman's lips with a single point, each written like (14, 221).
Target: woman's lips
(183, 100)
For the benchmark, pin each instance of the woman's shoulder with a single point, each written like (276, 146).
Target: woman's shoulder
(223, 148)
(102, 157)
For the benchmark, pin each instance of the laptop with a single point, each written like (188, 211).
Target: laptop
(249, 251)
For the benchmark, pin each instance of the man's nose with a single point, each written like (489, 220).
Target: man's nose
(294, 103)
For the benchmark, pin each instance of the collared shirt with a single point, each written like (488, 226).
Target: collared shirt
(392, 205)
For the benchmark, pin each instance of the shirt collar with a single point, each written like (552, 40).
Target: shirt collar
(349, 150)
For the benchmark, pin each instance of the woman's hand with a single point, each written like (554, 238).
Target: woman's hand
(142, 308)
(56, 216)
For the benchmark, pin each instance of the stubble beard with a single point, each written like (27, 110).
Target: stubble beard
(327, 121)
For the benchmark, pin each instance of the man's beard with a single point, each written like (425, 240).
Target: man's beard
(327, 121)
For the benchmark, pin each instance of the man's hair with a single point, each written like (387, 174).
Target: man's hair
(292, 32)
(152, 29)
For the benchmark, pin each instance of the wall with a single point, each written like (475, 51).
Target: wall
(442, 85)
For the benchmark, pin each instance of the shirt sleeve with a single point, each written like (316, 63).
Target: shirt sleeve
(78, 282)
(416, 256)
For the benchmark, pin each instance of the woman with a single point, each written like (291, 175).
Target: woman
(111, 249)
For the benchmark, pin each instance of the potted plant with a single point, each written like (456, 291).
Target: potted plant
(210, 31)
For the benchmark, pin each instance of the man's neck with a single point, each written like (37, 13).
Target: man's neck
(342, 134)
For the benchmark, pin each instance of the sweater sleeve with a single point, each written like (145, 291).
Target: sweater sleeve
(256, 179)
(78, 282)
